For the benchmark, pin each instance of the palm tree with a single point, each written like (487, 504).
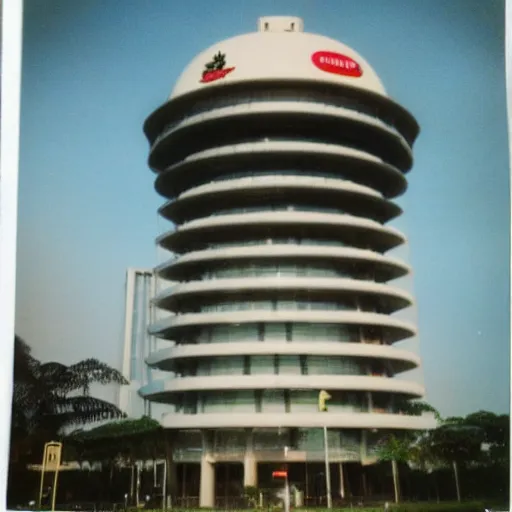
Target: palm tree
(49, 397)
(456, 443)
(424, 457)
(395, 449)
(404, 447)
(417, 408)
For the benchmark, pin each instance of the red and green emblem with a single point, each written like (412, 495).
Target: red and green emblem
(216, 69)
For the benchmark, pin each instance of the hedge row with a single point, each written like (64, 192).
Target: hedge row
(405, 507)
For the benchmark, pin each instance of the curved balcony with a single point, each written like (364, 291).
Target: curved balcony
(177, 298)
(399, 360)
(362, 420)
(274, 106)
(393, 330)
(283, 121)
(303, 191)
(269, 224)
(281, 157)
(169, 390)
(193, 263)
(301, 91)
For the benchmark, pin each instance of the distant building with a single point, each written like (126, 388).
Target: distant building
(141, 286)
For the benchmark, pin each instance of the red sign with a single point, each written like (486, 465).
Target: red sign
(211, 76)
(337, 64)
(215, 69)
(280, 474)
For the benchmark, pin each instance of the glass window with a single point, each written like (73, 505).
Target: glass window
(289, 365)
(203, 368)
(229, 440)
(229, 401)
(286, 305)
(303, 401)
(323, 365)
(231, 365)
(322, 332)
(273, 401)
(262, 365)
(347, 401)
(190, 403)
(234, 333)
(271, 439)
(275, 332)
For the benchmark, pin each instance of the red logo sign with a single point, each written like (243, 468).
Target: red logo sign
(337, 64)
(215, 69)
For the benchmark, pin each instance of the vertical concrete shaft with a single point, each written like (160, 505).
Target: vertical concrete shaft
(207, 482)
(250, 464)
(342, 482)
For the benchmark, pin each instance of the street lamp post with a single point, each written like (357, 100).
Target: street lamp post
(323, 396)
(327, 470)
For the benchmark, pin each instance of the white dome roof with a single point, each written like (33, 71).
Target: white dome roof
(279, 51)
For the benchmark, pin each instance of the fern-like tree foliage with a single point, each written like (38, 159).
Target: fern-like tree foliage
(50, 397)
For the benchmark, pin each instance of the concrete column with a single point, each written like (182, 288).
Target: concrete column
(207, 490)
(250, 464)
(207, 485)
(250, 471)
(342, 481)
(171, 484)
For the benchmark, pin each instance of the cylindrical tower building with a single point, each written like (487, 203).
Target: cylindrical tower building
(279, 153)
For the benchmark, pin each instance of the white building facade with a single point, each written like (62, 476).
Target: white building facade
(279, 154)
(139, 313)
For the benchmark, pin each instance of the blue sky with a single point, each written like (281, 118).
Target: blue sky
(92, 72)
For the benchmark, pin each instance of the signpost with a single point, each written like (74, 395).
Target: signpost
(51, 463)
(323, 396)
(284, 476)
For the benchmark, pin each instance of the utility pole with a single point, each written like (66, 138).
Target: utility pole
(323, 396)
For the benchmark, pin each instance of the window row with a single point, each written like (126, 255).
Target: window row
(272, 173)
(320, 99)
(279, 332)
(356, 239)
(302, 439)
(285, 270)
(280, 208)
(283, 401)
(282, 365)
(275, 439)
(279, 241)
(184, 146)
(279, 305)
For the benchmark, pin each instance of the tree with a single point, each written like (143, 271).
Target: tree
(395, 448)
(48, 397)
(456, 443)
(417, 408)
(122, 443)
(495, 432)
(406, 447)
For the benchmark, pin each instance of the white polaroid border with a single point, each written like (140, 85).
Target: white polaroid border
(10, 53)
(9, 158)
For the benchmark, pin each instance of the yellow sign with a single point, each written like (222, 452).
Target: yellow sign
(52, 456)
(51, 463)
(323, 396)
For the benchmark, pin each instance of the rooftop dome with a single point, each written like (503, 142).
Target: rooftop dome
(280, 50)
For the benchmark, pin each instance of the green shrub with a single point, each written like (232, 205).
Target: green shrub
(403, 507)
